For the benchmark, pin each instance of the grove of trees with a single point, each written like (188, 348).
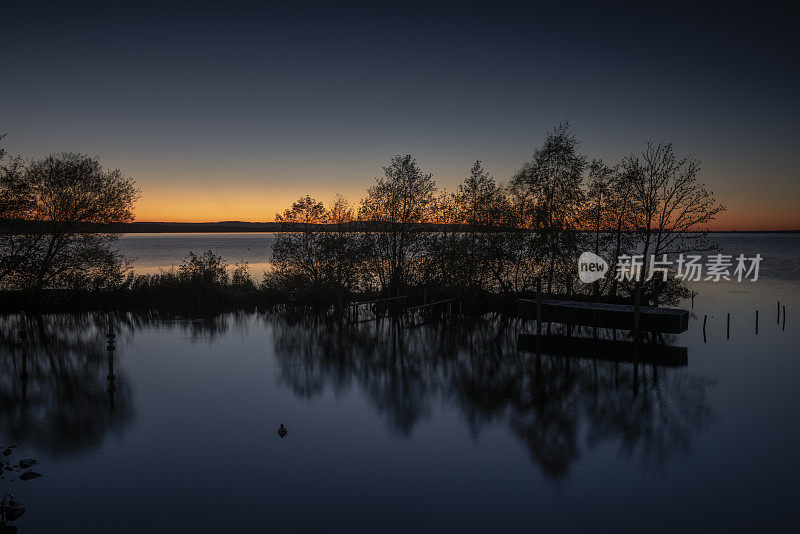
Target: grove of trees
(406, 236)
(500, 239)
(46, 207)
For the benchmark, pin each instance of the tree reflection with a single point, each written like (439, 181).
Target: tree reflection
(55, 392)
(57, 396)
(61, 390)
(557, 406)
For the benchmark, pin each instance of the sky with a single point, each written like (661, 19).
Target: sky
(230, 112)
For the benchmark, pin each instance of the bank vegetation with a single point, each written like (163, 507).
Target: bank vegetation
(485, 244)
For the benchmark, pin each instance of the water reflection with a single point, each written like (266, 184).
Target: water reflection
(65, 392)
(59, 390)
(556, 405)
(195, 329)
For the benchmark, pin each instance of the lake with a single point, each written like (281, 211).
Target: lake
(150, 253)
(443, 427)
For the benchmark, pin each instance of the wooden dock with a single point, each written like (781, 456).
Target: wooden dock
(440, 308)
(378, 307)
(605, 349)
(431, 305)
(601, 315)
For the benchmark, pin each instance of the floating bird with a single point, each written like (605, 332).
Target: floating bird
(282, 431)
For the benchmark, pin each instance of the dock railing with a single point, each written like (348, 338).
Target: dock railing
(376, 306)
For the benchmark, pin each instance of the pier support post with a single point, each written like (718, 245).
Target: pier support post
(23, 339)
(705, 320)
(538, 314)
(637, 297)
(112, 378)
(729, 326)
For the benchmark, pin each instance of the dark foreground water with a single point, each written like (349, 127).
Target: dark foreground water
(443, 427)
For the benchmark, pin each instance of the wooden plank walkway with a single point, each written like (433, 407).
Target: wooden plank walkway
(429, 305)
(374, 301)
(414, 315)
(620, 316)
(378, 307)
(605, 349)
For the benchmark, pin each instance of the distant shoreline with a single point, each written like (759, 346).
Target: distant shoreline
(253, 227)
(237, 227)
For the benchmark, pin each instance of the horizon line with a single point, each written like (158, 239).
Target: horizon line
(731, 230)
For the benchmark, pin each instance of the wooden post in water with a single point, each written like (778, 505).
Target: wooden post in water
(112, 388)
(637, 297)
(705, 320)
(538, 306)
(729, 326)
(23, 329)
(756, 322)
(23, 339)
(568, 289)
(538, 313)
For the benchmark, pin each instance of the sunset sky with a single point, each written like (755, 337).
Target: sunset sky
(230, 113)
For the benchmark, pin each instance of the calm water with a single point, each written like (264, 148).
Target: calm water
(152, 252)
(437, 428)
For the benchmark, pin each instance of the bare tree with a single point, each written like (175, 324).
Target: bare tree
(548, 189)
(607, 218)
(319, 253)
(16, 203)
(296, 254)
(396, 207)
(63, 234)
(620, 223)
(482, 209)
(669, 208)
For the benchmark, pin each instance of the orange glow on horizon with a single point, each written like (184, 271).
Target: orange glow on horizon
(254, 211)
(198, 206)
(167, 203)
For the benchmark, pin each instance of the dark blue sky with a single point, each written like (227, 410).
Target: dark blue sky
(226, 112)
